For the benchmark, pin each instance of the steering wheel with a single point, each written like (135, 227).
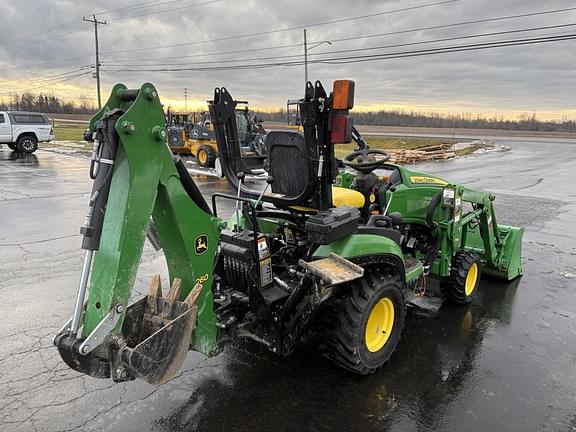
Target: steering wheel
(360, 160)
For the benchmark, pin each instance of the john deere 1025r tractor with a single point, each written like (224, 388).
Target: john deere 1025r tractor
(336, 256)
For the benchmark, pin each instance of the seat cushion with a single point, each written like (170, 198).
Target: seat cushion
(342, 197)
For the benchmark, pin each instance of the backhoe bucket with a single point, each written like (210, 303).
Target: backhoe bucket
(157, 333)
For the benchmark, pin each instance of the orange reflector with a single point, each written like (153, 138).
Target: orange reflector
(343, 95)
(341, 129)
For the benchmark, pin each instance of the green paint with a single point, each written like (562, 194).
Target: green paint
(360, 245)
(415, 272)
(146, 184)
(345, 179)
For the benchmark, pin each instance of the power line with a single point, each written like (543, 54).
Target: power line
(121, 18)
(372, 57)
(19, 83)
(138, 5)
(300, 27)
(478, 35)
(458, 24)
(452, 49)
(42, 32)
(391, 33)
(46, 82)
(121, 60)
(52, 83)
(44, 39)
(67, 23)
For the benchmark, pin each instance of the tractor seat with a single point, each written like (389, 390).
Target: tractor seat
(291, 165)
(343, 197)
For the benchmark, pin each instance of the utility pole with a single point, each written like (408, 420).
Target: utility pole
(185, 99)
(96, 22)
(305, 59)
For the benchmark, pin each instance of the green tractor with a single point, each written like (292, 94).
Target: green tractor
(329, 255)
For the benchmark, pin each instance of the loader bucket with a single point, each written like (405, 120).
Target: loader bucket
(509, 262)
(157, 332)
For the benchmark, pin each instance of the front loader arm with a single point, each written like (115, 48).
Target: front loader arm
(145, 185)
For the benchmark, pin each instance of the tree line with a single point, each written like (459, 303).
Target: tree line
(46, 103)
(526, 122)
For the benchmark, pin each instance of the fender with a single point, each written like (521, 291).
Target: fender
(359, 247)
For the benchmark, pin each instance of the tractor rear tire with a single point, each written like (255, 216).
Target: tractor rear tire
(206, 156)
(361, 325)
(462, 284)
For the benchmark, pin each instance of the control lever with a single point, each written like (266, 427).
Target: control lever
(241, 176)
(269, 181)
(392, 189)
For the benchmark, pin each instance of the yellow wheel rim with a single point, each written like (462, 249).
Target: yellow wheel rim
(202, 156)
(471, 279)
(379, 325)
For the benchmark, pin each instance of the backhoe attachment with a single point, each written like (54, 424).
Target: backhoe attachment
(137, 184)
(156, 332)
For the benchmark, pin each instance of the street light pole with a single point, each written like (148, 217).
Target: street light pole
(305, 59)
(306, 54)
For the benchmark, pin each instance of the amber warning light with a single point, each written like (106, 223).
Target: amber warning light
(343, 95)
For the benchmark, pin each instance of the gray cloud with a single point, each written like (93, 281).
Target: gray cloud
(530, 78)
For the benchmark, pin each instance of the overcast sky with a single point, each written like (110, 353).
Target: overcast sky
(48, 40)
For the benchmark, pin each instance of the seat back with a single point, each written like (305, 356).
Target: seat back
(288, 162)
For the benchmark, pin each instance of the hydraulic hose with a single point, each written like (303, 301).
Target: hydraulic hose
(92, 229)
(431, 209)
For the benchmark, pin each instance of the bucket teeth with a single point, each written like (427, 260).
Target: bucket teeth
(194, 295)
(155, 287)
(174, 293)
(154, 293)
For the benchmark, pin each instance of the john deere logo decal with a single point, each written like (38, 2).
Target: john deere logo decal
(201, 244)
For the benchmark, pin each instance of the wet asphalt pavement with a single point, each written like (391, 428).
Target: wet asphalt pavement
(506, 363)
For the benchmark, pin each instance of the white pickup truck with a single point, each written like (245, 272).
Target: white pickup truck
(23, 130)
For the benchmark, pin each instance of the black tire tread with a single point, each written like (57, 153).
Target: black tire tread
(453, 287)
(338, 327)
(210, 156)
(24, 137)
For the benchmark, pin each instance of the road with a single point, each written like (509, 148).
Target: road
(506, 363)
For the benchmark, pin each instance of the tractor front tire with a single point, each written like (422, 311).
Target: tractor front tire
(361, 325)
(462, 284)
(206, 156)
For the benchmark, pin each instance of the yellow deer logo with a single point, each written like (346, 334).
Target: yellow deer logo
(201, 244)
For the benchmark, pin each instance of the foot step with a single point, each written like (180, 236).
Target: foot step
(428, 304)
(333, 270)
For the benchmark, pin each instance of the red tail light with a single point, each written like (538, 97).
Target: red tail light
(341, 126)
